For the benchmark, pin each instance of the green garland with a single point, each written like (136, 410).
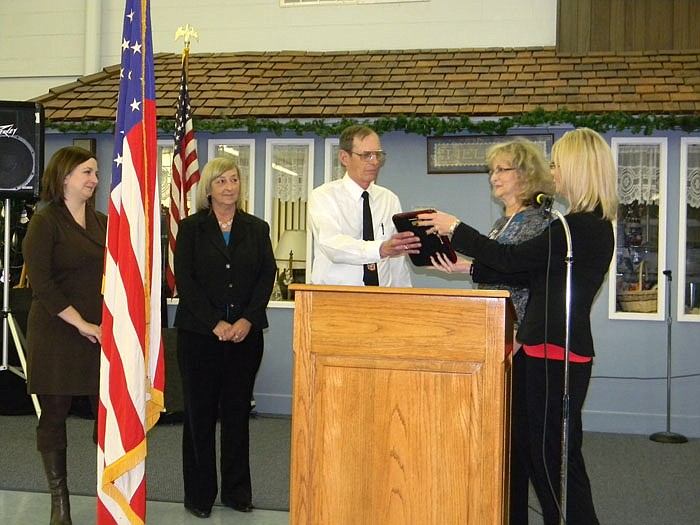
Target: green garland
(425, 126)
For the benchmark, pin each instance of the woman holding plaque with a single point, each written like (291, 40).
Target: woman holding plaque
(585, 176)
(517, 172)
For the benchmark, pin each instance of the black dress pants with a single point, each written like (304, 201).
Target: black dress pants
(536, 440)
(217, 382)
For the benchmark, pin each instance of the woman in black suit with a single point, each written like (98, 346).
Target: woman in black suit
(224, 272)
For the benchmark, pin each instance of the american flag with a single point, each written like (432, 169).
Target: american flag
(131, 371)
(185, 169)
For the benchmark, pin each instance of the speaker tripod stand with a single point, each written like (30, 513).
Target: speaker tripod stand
(9, 324)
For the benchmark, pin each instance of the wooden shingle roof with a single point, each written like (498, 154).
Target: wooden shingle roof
(365, 84)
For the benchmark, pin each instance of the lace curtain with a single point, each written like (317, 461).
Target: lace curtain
(240, 153)
(638, 172)
(693, 188)
(337, 168)
(290, 169)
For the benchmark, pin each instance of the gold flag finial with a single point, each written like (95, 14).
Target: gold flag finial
(188, 32)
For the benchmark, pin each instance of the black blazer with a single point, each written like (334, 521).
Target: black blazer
(593, 246)
(219, 282)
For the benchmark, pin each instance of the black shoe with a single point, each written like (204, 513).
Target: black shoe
(240, 507)
(199, 513)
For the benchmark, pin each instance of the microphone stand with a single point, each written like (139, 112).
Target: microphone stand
(668, 436)
(569, 260)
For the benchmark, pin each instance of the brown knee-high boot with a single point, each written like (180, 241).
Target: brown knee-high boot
(55, 467)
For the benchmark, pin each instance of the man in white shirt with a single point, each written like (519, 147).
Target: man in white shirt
(336, 218)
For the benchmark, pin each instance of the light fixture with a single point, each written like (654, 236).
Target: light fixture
(231, 150)
(284, 170)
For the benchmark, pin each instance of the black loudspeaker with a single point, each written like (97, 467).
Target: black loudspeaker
(21, 149)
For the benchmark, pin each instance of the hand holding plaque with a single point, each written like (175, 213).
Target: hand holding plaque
(431, 243)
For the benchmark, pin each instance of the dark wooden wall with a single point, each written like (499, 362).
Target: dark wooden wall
(627, 25)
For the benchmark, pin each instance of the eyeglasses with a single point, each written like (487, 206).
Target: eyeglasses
(371, 156)
(498, 171)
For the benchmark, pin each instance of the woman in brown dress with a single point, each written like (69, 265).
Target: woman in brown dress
(64, 256)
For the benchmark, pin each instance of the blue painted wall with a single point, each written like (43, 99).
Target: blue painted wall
(628, 391)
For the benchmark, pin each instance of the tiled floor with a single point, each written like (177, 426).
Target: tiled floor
(32, 508)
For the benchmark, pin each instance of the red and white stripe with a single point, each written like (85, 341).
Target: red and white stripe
(132, 378)
(185, 170)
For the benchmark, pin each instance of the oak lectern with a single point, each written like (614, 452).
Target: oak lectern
(401, 402)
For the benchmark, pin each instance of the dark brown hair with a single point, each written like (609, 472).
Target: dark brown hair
(61, 164)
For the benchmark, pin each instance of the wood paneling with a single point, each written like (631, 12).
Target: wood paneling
(627, 25)
(400, 407)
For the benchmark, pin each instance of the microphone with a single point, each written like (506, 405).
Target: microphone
(544, 200)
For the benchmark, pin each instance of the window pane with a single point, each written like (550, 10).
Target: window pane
(637, 277)
(241, 153)
(691, 302)
(290, 175)
(289, 168)
(338, 170)
(165, 173)
(334, 170)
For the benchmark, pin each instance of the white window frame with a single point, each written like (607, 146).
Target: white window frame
(269, 146)
(212, 144)
(330, 158)
(160, 144)
(659, 315)
(682, 234)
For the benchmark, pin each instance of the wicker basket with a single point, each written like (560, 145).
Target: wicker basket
(643, 301)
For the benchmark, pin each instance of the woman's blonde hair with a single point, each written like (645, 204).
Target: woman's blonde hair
(588, 173)
(533, 171)
(212, 170)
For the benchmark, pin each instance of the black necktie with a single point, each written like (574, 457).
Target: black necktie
(370, 270)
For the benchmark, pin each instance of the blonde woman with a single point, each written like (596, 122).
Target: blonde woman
(585, 176)
(224, 271)
(517, 172)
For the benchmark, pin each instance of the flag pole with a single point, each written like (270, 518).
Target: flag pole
(185, 168)
(132, 372)
(186, 32)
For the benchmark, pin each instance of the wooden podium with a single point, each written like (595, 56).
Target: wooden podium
(401, 400)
